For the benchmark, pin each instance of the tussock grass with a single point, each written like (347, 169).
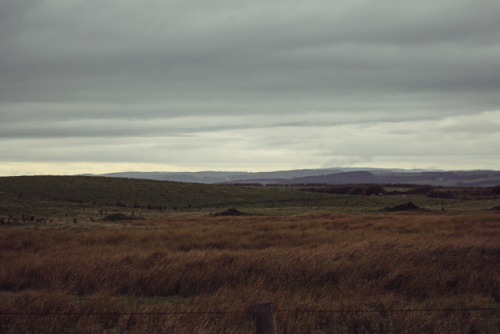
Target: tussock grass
(107, 280)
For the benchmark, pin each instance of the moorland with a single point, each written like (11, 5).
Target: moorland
(92, 254)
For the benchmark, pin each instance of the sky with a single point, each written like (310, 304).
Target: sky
(97, 86)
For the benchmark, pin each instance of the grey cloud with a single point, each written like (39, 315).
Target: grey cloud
(171, 48)
(261, 72)
(61, 123)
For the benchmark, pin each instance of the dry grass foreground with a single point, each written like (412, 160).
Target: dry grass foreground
(337, 273)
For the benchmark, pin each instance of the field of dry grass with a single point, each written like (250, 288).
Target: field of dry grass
(355, 273)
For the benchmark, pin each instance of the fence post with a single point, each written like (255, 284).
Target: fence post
(264, 318)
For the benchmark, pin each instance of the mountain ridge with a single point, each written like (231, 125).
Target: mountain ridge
(472, 178)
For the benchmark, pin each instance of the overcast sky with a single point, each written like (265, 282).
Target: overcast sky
(178, 85)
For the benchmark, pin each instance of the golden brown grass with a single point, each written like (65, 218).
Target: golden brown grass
(385, 272)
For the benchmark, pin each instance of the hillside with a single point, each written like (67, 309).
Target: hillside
(41, 193)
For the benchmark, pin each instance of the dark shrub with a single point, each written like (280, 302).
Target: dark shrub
(420, 190)
(440, 194)
(230, 212)
(117, 217)
(374, 189)
(403, 207)
(496, 190)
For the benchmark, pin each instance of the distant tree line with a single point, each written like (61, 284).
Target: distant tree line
(347, 189)
(378, 189)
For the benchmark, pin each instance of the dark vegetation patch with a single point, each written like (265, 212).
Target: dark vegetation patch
(230, 212)
(410, 189)
(118, 217)
(435, 193)
(496, 190)
(347, 189)
(403, 207)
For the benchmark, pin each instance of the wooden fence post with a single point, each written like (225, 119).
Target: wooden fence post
(264, 318)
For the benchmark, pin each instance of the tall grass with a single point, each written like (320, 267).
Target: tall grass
(197, 275)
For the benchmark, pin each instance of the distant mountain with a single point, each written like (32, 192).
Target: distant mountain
(219, 177)
(334, 178)
(328, 176)
(339, 178)
(445, 178)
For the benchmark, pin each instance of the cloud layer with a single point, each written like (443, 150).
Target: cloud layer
(196, 85)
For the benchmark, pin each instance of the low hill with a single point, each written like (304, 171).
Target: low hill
(24, 193)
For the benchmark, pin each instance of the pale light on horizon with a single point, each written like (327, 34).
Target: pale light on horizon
(78, 168)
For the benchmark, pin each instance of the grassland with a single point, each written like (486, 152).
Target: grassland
(334, 263)
(65, 198)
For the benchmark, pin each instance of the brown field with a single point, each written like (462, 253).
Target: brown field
(416, 272)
